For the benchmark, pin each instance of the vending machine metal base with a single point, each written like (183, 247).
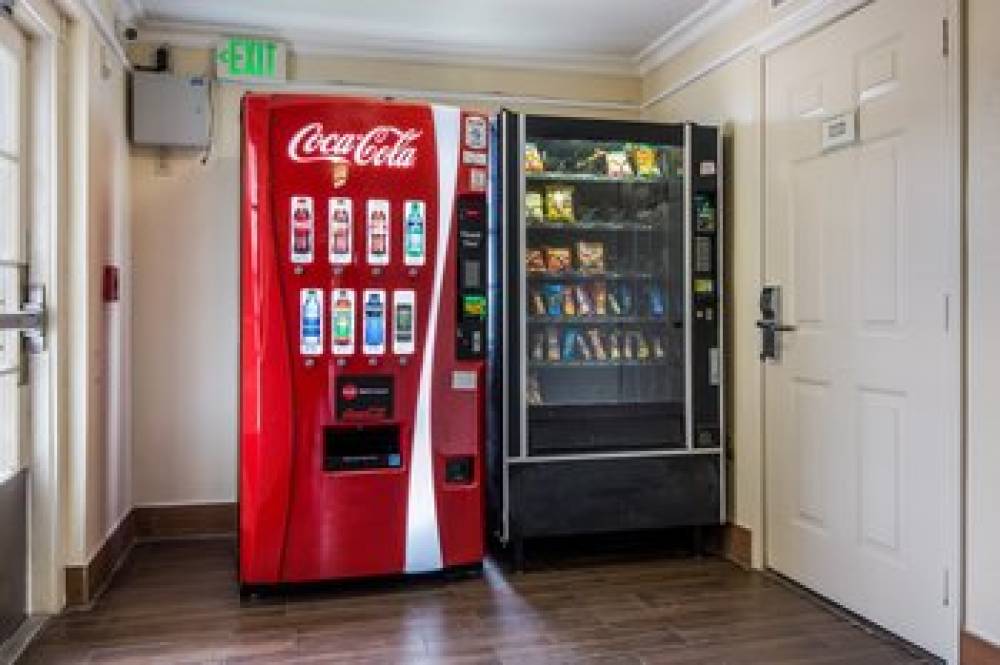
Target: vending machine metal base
(606, 341)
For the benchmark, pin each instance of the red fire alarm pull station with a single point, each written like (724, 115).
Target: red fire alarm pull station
(110, 287)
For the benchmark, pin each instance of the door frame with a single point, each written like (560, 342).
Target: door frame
(954, 473)
(44, 28)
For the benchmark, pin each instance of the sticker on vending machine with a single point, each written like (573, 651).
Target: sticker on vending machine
(475, 132)
(378, 232)
(373, 343)
(341, 223)
(302, 230)
(414, 233)
(342, 321)
(477, 180)
(311, 322)
(404, 322)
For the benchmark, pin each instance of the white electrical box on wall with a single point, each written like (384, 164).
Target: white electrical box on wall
(170, 111)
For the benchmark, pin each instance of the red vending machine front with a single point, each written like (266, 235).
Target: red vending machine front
(363, 333)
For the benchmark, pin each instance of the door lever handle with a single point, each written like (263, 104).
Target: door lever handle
(767, 324)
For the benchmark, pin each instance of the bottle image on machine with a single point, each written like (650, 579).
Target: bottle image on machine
(378, 232)
(374, 326)
(311, 322)
(342, 303)
(341, 222)
(415, 233)
(403, 322)
(302, 229)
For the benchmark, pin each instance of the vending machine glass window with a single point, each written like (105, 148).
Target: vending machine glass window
(604, 276)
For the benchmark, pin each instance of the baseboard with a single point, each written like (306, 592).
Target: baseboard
(732, 542)
(977, 651)
(143, 523)
(85, 583)
(185, 521)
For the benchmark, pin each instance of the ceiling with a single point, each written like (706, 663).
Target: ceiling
(591, 34)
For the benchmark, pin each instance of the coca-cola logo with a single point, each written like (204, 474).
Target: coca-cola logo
(384, 145)
(349, 392)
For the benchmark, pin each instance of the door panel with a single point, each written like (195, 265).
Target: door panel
(13, 388)
(858, 422)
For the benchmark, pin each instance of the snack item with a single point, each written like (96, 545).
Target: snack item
(656, 304)
(569, 304)
(628, 346)
(614, 304)
(645, 161)
(553, 299)
(534, 390)
(590, 256)
(659, 348)
(594, 335)
(584, 348)
(558, 259)
(584, 304)
(534, 208)
(537, 303)
(552, 344)
(625, 301)
(535, 258)
(559, 203)
(618, 166)
(533, 162)
(538, 346)
(569, 344)
(600, 291)
(641, 347)
(614, 346)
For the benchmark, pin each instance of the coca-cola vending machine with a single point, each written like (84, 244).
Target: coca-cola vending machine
(362, 338)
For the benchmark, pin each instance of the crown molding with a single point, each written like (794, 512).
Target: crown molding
(688, 32)
(202, 35)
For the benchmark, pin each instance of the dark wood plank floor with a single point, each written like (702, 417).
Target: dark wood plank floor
(178, 603)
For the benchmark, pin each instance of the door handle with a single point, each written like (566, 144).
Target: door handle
(775, 326)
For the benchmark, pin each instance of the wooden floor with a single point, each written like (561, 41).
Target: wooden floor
(178, 603)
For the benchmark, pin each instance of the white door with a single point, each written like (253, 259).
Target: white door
(861, 404)
(13, 372)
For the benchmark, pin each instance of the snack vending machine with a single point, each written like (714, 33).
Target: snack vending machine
(608, 328)
(362, 338)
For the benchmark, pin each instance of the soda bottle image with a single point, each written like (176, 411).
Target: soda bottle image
(312, 322)
(378, 232)
(341, 238)
(302, 230)
(374, 322)
(415, 232)
(342, 322)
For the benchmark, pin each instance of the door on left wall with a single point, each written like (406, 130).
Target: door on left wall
(14, 320)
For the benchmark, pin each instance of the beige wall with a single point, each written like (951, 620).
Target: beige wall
(185, 234)
(983, 266)
(730, 97)
(98, 467)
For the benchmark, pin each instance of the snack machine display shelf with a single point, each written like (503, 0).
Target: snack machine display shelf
(596, 320)
(590, 177)
(575, 364)
(590, 226)
(575, 275)
(572, 411)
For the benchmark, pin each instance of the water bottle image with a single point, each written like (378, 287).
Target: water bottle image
(312, 322)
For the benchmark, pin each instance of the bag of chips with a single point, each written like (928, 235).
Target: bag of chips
(559, 203)
(534, 208)
(618, 166)
(533, 162)
(590, 256)
(558, 259)
(645, 161)
(535, 258)
(600, 290)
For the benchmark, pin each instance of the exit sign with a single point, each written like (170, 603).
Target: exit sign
(245, 59)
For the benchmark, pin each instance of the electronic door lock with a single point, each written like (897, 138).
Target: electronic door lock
(770, 323)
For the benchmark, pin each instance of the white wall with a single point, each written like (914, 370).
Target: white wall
(983, 455)
(185, 232)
